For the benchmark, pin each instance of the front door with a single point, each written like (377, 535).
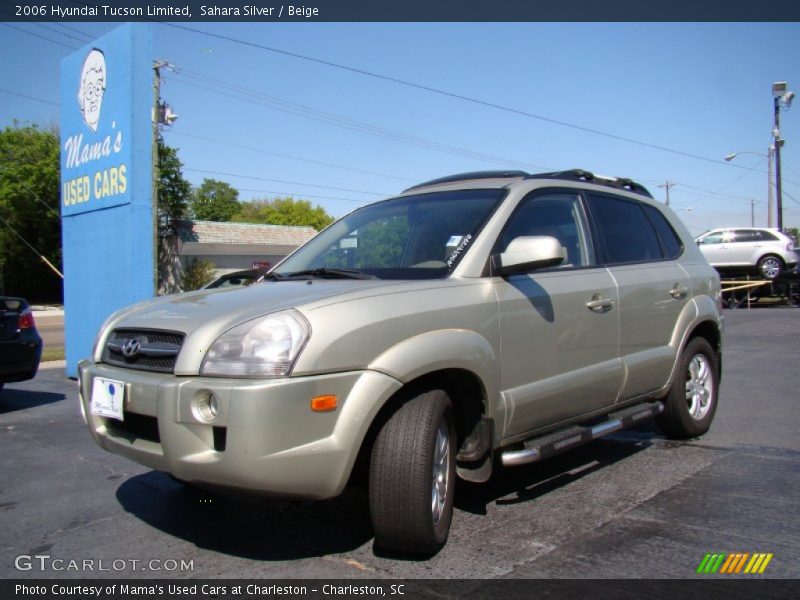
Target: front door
(559, 327)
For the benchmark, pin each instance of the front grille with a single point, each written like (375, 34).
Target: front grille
(157, 350)
(135, 427)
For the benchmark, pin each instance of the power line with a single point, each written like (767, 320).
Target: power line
(325, 187)
(30, 97)
(280, 155)
(313, 114)
(57, 32)
(40, 36)
(75, 30)
(448, 94)
(302, 196)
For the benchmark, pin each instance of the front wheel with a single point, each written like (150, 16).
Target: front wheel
(770, 267)
(691, 403)
(412, 476)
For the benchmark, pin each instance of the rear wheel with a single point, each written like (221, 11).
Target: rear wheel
(412, 476)
(691, 403)
(770, 266)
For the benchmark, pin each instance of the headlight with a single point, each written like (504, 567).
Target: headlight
(263, 347)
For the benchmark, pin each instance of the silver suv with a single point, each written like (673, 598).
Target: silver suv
(476, 321)
(768, 251)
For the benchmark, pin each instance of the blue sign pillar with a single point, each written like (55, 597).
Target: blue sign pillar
(106, 182)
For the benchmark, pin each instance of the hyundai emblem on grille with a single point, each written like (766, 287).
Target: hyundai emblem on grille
(131, 347)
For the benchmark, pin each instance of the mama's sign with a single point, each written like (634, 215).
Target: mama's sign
(106, 182)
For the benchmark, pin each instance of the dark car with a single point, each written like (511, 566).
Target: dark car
(238, 278)
(20, 344)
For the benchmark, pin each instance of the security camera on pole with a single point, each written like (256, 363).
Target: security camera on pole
(782, 98)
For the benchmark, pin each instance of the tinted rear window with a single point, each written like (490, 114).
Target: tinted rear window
(670, 241)
(626, 234)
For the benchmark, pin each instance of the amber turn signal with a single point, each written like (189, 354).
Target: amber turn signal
(323, 403)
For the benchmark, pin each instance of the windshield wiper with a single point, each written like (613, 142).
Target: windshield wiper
(271, 277)
(325, 273)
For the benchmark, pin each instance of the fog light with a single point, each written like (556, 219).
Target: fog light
(206, 406)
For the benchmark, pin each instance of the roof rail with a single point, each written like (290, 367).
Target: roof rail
(570, 175)
(470, 175)
(589, 177)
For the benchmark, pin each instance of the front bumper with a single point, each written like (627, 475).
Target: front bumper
(264, 439)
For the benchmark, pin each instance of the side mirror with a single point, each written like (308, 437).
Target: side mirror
(528, 253)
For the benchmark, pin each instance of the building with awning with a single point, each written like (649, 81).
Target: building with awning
(235, 246)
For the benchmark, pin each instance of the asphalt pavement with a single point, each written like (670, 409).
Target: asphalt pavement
(635, 505)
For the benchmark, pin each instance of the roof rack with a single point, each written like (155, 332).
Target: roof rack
(589, 177)
(570, 175)
(470, 175)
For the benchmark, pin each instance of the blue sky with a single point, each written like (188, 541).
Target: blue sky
(701, 89)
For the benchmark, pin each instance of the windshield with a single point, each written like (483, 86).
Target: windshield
(413, 237)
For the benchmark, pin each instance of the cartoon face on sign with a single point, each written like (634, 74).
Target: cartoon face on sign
(92, 87)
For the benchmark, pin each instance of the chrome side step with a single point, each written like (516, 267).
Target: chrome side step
(548, 445)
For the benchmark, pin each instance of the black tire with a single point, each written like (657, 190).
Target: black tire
(691, 404)
(402, 494)
(770, 266)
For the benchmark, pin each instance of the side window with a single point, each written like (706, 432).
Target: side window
(669, 239)
(766, 236)
(745, 235)
(713, 238)
(626, 234)
(557, 215)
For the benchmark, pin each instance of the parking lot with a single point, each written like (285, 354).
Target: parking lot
(634, 505)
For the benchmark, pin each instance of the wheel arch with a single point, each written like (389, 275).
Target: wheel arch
(467, 393)
(706, 324)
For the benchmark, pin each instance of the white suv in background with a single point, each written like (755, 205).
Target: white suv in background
(767, 250)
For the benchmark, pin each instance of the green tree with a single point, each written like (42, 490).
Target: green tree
(215, 201)
(29, 206)
(197, 274)
(284, 211)
(174, 191)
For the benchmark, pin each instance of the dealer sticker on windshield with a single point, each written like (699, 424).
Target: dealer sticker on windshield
(107, 398)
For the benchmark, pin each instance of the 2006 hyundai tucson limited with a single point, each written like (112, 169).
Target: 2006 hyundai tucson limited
(479, 320)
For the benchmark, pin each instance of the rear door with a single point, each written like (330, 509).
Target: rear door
(745, 248)
(640, 249)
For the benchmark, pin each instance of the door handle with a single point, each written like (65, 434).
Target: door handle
(678, 292)
(600, 304)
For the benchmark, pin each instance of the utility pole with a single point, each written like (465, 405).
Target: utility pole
(770, 183)
(155, 161)
(752, 213)
(778, 143)
(781, 97)
(667, 185)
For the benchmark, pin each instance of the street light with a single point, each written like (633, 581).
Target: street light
(781, 97)
(769, 156)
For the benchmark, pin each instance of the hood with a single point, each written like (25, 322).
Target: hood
(228, 307)
(205, 314)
